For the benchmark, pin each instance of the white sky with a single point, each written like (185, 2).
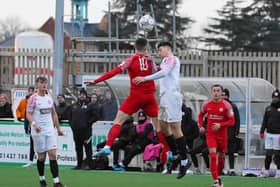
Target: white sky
(35, 12)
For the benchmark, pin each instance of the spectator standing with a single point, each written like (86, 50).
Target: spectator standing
(82, 115)
(42, 116)
(94, 98)
(21, 108)
(61, 108)
(21, 116)
(233, 132)
(100, 96)
(5, 107)
(109, 107)
(271, 124)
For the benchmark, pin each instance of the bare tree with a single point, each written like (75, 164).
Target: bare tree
(11, 26)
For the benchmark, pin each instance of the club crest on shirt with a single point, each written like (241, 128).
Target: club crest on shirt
(221, 109)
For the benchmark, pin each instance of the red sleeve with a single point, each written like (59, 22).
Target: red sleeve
(201, 115)
(108, 75)
(230, 116)
(124, 65)
(229, 122)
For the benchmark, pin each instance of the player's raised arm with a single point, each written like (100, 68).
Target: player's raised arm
(161, 72)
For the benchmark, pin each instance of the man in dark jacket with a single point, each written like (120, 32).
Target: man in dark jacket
(233, 132)
(5, 107)
(271, 124)
(82, 115)
(61, 108)
(109, 107)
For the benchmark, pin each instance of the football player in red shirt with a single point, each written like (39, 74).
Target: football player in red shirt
(141, 96)
(219, 115)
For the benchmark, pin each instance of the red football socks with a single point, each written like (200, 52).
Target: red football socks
(213, 166)
(113, 134)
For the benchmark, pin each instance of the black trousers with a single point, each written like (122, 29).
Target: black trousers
(135, 149)
(83, 139)
(116, 147)
(31, 149)
(232, 145)
(202, 148)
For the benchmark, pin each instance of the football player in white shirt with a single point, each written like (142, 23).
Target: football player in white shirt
(42, 116)
(170, 114)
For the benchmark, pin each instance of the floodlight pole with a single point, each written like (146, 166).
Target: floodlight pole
(109, 27)
(174, 25)
(153, 15)
(58, 48)
(137, 17)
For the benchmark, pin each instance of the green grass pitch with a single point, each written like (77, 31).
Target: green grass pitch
(13, 175)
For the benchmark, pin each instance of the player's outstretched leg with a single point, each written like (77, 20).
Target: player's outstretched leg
(112, 135)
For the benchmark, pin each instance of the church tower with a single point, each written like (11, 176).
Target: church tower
(79, 12)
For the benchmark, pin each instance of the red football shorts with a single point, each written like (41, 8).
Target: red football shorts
(218, 142)
(136, 101)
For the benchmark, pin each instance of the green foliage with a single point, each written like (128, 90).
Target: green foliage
(252, 28)
(228, 30)
(264, 16)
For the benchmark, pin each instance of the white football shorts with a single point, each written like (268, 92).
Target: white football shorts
(170, 107)
(44, 143)
(272, 141)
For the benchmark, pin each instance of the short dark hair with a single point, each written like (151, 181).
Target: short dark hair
(83, 91)
(31, 88)
(164, 44)
(217, 85)
(41, 79)
(61, 95)
(141, 44)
